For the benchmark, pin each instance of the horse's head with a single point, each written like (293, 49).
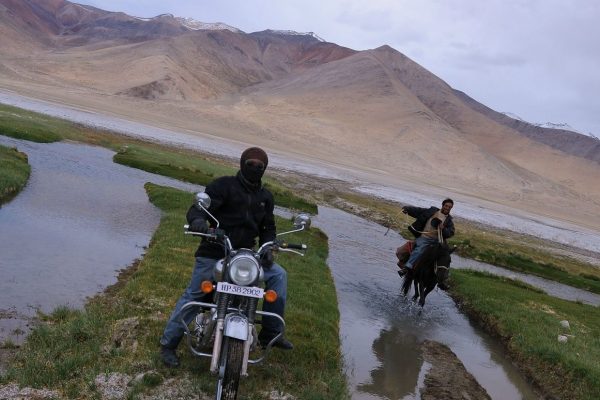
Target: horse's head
(443, 261)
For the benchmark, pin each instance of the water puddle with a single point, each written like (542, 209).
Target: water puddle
(80, 219)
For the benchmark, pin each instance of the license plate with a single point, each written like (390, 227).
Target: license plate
(247, 291)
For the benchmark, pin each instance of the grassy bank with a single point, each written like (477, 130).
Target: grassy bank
(78, 344)
(14, 172)
(201, 170)
(528, 322)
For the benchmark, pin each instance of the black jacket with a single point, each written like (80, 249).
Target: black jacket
(422, 215)
(244, 213)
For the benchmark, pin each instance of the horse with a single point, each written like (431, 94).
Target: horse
(431, 268)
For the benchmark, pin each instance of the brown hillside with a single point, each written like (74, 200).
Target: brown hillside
(376, 112)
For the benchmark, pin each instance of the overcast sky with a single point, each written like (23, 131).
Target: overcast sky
(537, 59)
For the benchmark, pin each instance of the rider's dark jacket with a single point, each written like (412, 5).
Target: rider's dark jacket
(422, 215)
(244, 211)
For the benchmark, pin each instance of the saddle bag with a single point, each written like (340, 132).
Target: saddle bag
(403, 252)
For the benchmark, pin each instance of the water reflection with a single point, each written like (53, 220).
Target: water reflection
(400, 361)
(79, 220)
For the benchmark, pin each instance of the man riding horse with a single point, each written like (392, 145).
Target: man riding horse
(425, 228)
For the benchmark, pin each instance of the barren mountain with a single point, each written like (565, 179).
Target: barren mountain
(376, 110)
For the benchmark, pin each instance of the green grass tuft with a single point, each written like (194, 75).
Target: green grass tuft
(14, 173)
(199, 170)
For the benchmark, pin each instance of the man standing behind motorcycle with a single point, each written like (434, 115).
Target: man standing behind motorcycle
(244, 209)
(425, 230)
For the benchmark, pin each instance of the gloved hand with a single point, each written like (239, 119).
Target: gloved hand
(219, 234)
(436, 222)
(199, 225)
(267, 259)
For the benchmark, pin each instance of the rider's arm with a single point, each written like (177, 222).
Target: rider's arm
(448, 229)
(267, 226)
(414, 211)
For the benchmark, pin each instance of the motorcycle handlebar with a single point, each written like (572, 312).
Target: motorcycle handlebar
(216, 233)
(293, 246)
(212, 233)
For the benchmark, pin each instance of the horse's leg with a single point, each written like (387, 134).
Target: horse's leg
(416, 295)
(428, 290)
(407, 280)
(423, 291)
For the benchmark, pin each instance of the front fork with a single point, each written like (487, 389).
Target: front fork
(236, 325)
(232, 323)
(221, 311)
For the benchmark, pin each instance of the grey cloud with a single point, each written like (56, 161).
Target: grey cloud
(474, 59)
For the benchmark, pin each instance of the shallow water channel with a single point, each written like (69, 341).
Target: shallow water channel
(82, 218)
(380, 329)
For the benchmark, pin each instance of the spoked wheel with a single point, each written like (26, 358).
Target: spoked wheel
(230, 369)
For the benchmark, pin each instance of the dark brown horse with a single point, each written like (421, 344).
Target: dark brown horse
(431, 268)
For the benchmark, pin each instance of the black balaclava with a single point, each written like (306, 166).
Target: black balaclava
(252, 173)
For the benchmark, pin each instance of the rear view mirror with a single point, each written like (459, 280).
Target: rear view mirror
(203, 200)
(302, 221)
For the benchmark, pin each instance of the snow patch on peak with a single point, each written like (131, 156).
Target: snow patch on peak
(195, 25)
(513, 116)
(294, 33)
(551, 125)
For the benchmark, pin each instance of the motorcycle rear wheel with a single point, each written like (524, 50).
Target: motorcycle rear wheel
(230, 368)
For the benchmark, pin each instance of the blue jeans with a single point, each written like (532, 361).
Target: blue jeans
(275, 279)
(420, 245)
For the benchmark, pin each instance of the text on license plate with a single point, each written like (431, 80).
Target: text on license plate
(247, 291)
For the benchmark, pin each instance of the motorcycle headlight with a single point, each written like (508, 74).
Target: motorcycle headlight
(243, 269)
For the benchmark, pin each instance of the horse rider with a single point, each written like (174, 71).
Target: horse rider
(425, 229)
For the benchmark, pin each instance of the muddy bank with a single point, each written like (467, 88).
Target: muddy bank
(447, 377)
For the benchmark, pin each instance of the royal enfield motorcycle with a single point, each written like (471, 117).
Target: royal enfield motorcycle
(228, 325)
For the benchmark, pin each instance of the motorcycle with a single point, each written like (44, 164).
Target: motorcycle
(228, 325)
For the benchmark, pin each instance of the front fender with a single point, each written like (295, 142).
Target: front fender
(236, 326)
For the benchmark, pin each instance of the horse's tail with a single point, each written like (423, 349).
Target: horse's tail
(407, 281)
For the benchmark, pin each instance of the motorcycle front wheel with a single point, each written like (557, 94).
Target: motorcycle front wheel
(230, 368)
